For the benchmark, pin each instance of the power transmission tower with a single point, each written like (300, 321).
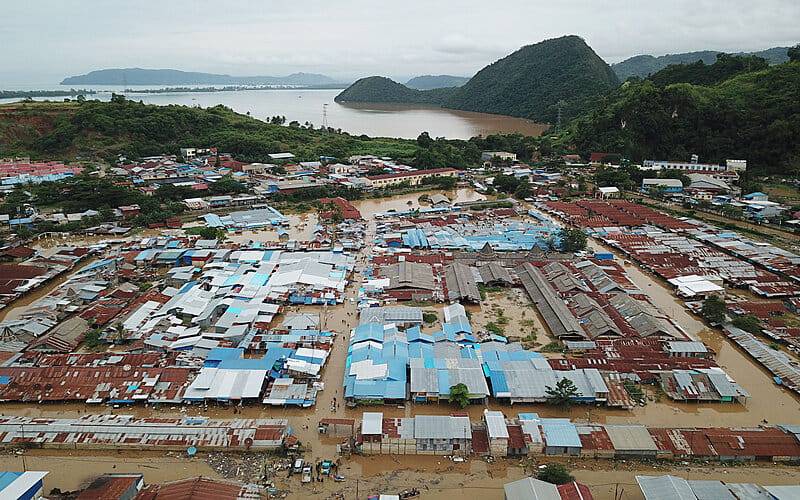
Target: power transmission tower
(558, 120)
(325, 117)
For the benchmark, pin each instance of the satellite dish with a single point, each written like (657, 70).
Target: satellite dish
(127, 368)
(191, 450)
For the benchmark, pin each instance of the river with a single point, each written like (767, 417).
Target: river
(376, 120)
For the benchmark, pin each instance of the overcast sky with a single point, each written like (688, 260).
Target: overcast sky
(43, 41)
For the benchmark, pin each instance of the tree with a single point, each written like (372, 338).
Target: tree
(208, 233)
(794, 53)
(429, 317)
(424, 140)
(748, 323)
(523, 191)
(555, 474)
(572, 240)
(713, 310)
(563, 393)
(459, 393)
(119, 332)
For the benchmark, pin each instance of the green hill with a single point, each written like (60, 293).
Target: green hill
(379, 89)
(528, 83)
(534, 78)
(642, 66)
(753, 116)
(429, 82)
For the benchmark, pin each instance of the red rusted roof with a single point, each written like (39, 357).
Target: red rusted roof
(575, 491)
(480, 441)
(109, 487)
(199, 488)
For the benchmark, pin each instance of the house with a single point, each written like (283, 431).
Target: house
(608, 192)
(600, 159)
(21, 485)
(757, 196)
(681, 165)
(488, 156)
(531, 489)
(113, 487)
(704, 182)
(668, 185)
(414, 178)
(442, 434)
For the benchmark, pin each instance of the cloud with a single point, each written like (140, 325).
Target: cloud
(353, 38)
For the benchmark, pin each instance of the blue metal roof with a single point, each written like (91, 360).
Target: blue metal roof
(368, 331)
(560, 432)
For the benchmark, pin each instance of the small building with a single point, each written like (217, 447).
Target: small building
(488, 156)
(442, 434)
(531, 489)
(560, 437)
(668, 185)
(757, 196)
(113, 487)
(21, 485)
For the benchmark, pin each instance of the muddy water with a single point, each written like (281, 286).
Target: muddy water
(371, 206)
(74, 470)
(301, 229)
(436, 477)
(16, 308)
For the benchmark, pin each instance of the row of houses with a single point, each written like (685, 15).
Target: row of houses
(531, 435)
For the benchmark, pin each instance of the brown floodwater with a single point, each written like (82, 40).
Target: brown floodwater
(370, 206)
(408, 120)
(436, 477)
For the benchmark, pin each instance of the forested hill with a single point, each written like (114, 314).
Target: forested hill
(528, 83)
(753, 116)
(642, 66)
(429, 82)
(379, 89)
(535, 78)
(139, 76)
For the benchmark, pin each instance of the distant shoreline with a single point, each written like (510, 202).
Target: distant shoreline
(10, 94)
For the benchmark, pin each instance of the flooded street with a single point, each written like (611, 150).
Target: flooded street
(370, 206)
(436, 477)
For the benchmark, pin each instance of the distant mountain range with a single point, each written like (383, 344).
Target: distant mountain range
(139, 76)
(528, 83)
(429, 82)
(642, 66)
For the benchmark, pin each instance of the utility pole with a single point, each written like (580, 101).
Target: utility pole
(558, 120)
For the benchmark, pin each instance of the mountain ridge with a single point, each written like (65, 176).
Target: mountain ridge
(142, 76)
(644, 65)
(430, 82)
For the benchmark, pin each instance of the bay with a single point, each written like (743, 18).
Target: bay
(305, 105)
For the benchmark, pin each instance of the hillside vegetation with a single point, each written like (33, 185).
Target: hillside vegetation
(528, 83)
(645, 65)
(103, 130)
(753, 116)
